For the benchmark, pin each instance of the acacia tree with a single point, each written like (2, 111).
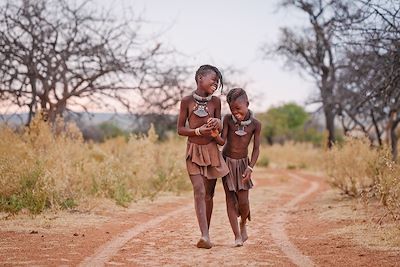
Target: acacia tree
(57, 54)
(313, 50)
(370, 85)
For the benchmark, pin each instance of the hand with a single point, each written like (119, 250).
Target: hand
(246, 175)
(214, 123)
(214, 132)
(205, 130)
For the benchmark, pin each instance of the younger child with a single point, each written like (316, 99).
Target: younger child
(204, 161)
(238, 130)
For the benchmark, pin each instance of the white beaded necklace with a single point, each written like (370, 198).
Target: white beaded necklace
(241, 125)
(200, 109)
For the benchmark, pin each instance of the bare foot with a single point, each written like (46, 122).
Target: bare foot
(204, 243)
(243, 231)
(238, 242)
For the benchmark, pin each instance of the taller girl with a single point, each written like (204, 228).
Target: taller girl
(204, 161)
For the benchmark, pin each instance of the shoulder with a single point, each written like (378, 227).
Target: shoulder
(186, 99)
(216, 99)
(227, 117)
(257, 123)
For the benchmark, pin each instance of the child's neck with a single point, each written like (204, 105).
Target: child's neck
(201, 92)
(247, 115)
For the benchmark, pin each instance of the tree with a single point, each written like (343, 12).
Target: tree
(284, 122)
(313, 50)
(56, 55)
(370, 84)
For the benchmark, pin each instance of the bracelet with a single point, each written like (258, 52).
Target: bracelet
(197, 131)
(251, 169)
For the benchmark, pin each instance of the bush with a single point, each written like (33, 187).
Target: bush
(358, 169)
(52, 167)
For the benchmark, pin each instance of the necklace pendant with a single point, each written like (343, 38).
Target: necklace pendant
(240, 131)
(200, 111)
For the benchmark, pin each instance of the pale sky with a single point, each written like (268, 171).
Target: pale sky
(227, 33)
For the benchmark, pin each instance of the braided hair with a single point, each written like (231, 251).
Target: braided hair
(234, 94)
(204, 69)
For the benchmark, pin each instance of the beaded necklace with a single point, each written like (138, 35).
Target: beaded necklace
(200, 109)
(241, 125)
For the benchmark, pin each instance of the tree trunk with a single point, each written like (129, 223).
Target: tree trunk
(32, 106)
(393, 140)
(330, 124)
(327, 102)
(377, 131)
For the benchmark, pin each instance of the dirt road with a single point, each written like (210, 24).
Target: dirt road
(296, 220)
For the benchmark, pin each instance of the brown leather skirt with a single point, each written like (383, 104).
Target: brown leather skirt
(234, 178)
(234, 181)
(205, 160)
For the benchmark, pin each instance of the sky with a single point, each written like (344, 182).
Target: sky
(227, 33)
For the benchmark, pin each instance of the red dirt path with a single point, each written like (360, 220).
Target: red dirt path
(293, 223)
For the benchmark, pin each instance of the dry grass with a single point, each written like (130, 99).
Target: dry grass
(360, 170)
(40, 169)
(291, 156)
(351, 166)
(362, 223)
(354, 167)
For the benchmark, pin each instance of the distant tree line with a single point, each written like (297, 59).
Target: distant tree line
(351, 49)
(290, 122)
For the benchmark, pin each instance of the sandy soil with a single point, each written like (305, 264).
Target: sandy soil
(296, 220)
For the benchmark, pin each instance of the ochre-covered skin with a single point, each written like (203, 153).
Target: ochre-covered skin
(238, 182)
(203, 159)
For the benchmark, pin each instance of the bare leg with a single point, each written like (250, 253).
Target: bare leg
(209, 185)
(232, 214)
(200, 207)
(244, 211)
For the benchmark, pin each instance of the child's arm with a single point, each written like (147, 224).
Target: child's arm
(255, 153)
(220, 139)
(256, 145)
(216, 121)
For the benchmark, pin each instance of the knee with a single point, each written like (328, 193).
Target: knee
(199, 191)
(209, 195)
(230, 199)
(244, 207)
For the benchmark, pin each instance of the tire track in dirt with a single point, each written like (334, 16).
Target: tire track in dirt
(286, 230)
(167, 240)
(279, 220)
(172, 243)
(105, 253)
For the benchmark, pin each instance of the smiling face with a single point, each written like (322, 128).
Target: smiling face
(239, 108)
(208, 82)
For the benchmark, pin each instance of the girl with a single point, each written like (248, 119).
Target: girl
(204, 161)
(238, 130)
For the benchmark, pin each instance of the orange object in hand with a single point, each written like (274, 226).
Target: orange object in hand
(214, 133)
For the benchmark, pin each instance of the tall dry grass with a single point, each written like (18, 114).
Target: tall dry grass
(360, 170)
(353, 166)
(40, 169)
(291, 155)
